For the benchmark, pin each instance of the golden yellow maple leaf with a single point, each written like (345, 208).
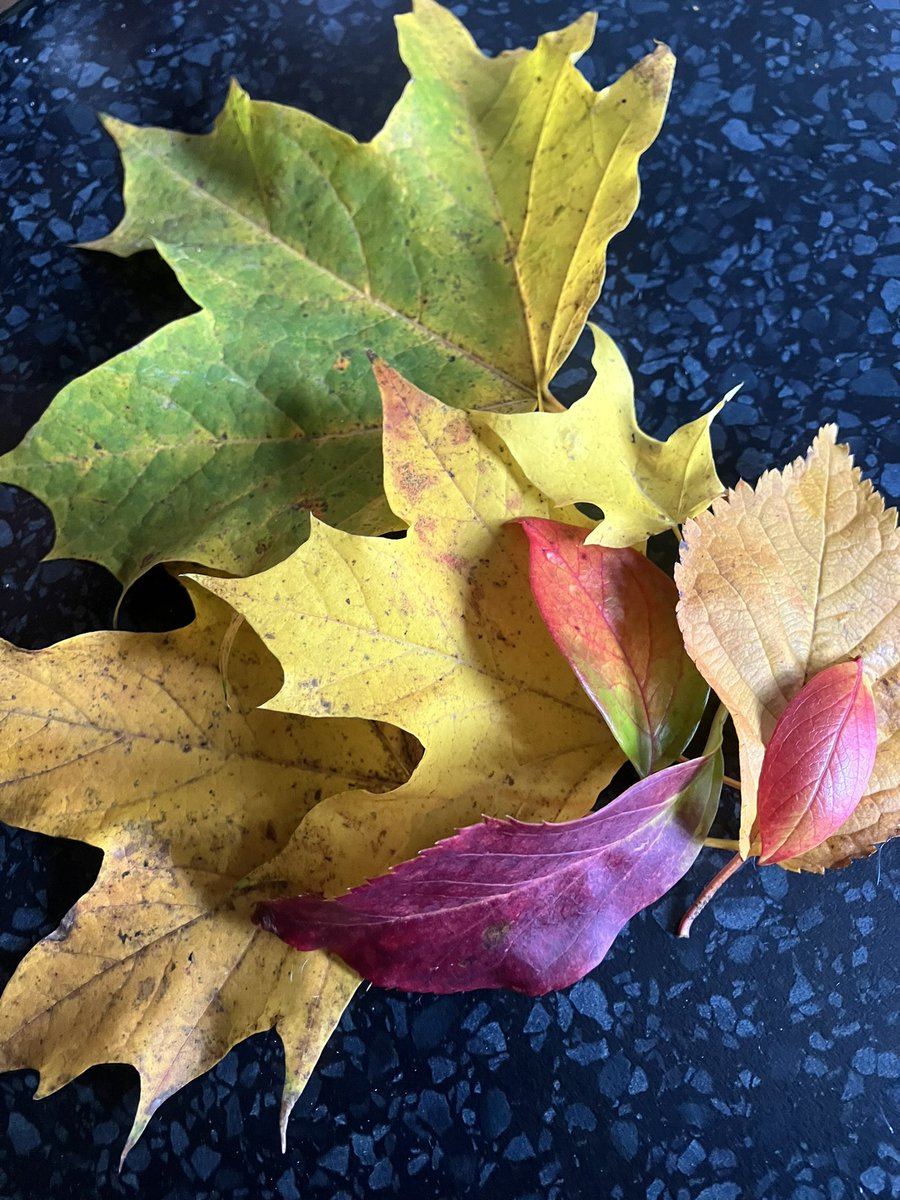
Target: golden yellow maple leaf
(644, 486)
(781, 581)
(438, 633)
(128, 741)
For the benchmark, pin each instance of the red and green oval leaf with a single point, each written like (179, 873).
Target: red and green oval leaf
(532, 907)
(817, 762)
(612, 614)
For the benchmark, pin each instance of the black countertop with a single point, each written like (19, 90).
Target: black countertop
(761, 1057)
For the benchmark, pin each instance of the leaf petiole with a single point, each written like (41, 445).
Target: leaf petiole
(714, 843)
(733, 865)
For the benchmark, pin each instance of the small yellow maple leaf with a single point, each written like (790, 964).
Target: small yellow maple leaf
(438, 633)
(643, 486)
(127, 741)
(781, 581)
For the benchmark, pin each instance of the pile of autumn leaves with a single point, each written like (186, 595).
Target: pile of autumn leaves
(335, 708)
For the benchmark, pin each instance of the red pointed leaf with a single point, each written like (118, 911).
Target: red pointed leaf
(612, 614)
(817, 762)
(508, 904)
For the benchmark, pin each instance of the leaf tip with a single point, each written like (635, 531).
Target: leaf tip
(141, 1120)
(827, 433)
(113, 125)
(655, 72)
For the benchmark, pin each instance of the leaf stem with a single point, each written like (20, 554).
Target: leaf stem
(714, 843)
(733, 864)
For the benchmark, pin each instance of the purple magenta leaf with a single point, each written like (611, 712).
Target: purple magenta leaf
(510, 904)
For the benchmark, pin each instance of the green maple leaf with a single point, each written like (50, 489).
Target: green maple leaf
(465, 244)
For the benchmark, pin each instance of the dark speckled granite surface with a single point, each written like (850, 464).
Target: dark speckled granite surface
(759, 1059)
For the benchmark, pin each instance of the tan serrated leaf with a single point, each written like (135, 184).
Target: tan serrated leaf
(781, 581)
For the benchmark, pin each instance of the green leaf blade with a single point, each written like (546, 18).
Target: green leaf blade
(305, 248)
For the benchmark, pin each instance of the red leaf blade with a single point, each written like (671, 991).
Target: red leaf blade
(612, 614)
(510, 904)
(817, 762)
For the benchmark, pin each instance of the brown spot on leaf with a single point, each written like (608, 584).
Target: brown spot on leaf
(460, 432)
(494, 934)
(655, 73)
(145, 990)
(317, 505)
(412, 483)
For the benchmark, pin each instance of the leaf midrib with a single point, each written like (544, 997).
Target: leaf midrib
(364, 296)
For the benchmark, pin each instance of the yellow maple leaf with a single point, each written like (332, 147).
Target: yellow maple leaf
(128, 741)
(643, 485)
(438, 633)
(781, 581)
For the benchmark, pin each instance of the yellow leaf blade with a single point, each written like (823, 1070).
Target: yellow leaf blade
(644, 486)
(437, 632)
(131, 741)
(160, 968)
(328, 987)
(555, 164)
(781, 581)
